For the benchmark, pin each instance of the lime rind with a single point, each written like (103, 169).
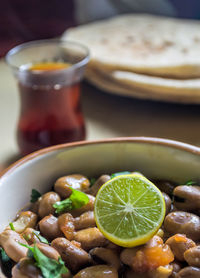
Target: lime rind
(125, 218)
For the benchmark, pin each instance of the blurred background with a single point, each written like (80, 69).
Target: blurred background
(106, 115)
(22, 20)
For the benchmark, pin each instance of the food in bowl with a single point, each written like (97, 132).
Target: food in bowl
(58, 236)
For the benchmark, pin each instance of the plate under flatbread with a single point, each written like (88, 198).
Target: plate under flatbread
(146, 87)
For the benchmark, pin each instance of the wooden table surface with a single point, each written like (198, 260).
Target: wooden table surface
(106, 116)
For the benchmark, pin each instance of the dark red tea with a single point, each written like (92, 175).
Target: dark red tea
(49, 115)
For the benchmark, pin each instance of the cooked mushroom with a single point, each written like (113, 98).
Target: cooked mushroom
(10, 241)
(179, 244)
(26, 219)
(165, 186)
(76, 181)
(46, 204)
(49, 227)
(98, 183)
(48, 251)
(35, 206)
(168, 202)
(90, 238)
(86, 220)
(74, 256)
(113, 246)
(62, 188)
(189, 272)
(130, 273)
(26, 268)
(66, 225)
(189, 197)
(184, 223)
(108, 256)
(176, 268)
(192, 256)
(97, 271)
(127, 255)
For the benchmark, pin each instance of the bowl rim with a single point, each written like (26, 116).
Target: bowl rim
(138, 139)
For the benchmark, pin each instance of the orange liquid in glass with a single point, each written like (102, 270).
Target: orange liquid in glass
(49, 116)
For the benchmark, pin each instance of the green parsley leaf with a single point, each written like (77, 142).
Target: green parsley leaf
(63, 206)
(191, 183)
(12, 226)
(92, 181)
(119, 174)
(76, 200)
(41, 238)
(50, 268)
(27, 237)
(4, 256)
(35, 195)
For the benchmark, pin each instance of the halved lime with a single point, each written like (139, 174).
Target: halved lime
(129, 210)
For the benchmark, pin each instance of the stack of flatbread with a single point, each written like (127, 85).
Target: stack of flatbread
(143, 56)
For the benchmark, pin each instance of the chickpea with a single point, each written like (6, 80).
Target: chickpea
(183, 223)
(76, 181)
(49, 227)
(88, 207)
(46, 204)
(179, 244)
(26, 219)
(90, 238)
(73, 256)
(66, 225)
(97, 271)
(10, 240)
(190, 196)
(192, 256)
(86, 220)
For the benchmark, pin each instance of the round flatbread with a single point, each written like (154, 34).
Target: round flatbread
(142, 43)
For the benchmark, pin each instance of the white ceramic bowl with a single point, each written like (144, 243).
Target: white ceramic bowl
(155, 158)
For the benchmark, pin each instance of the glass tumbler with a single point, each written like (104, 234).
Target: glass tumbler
(49, 74)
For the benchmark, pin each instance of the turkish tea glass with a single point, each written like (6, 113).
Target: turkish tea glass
(50, 99)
